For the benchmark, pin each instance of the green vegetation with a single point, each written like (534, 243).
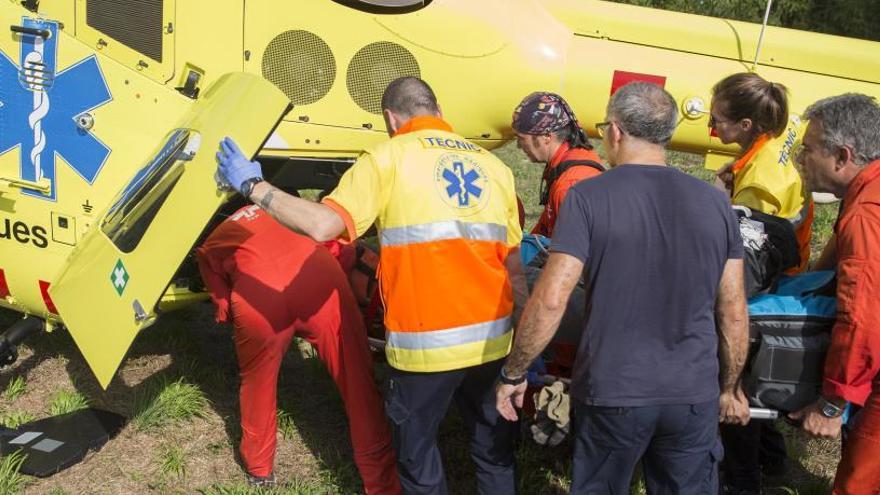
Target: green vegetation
(289, 488)
(64, 402)
(15, 388)
(167, 402)
(285, 425)
(172, 461)
(823, 224)
(842, 17)
(820, 487)
(14, 419)
(11, 481)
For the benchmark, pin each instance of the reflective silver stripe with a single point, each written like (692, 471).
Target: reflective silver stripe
(439, 231)
(436, 339)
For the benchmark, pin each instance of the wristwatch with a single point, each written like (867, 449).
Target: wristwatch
(829, 409)
(247, 187)
(503, 378)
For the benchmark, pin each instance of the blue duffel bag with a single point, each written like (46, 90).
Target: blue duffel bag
(534, 249)
(790, 330)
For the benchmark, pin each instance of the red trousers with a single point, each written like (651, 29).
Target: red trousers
(311, 299)
(859, 470)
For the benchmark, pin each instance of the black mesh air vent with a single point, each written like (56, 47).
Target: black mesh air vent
(300, 64)
(373, 68)
(136, 24)
(385, 6)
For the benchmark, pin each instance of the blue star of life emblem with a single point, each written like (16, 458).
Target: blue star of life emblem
(461, 183)
(39, 113)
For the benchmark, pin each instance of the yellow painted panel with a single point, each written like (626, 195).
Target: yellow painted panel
(208, 38)
(60, 10)
(104, 287)
(782, 48)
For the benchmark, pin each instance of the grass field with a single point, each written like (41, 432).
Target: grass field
(178, 386)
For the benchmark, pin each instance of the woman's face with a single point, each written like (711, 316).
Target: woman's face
(729, 131)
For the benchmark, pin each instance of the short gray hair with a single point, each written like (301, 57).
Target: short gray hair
(645, 111)
(851, 121)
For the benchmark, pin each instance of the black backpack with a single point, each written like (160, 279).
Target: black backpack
(771, 248)
(560, 169)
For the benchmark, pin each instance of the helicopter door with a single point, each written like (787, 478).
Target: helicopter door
(112, 282)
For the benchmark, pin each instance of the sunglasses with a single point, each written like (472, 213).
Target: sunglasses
(713, 122)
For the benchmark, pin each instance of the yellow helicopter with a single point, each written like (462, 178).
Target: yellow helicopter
(111, 111)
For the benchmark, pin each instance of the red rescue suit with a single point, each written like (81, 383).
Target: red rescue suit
(852, 367)
(275, 284)
(560, 186)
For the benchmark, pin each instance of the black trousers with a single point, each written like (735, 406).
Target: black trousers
(416, 404)
(677, 444)
(746, 449)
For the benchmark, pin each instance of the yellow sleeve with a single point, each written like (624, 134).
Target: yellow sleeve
(358, 196)
(757, 199)
(514, 231)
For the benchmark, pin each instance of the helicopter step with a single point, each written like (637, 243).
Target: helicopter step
(55, 443)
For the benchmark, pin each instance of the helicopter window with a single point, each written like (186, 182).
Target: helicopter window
(385, 6)
(136, 206)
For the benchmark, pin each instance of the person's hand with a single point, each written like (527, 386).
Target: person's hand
(734, 407)
(509, 398)
(234, 167)
(817, 424)
(724, 176)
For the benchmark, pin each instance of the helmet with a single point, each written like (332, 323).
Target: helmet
(544, 113)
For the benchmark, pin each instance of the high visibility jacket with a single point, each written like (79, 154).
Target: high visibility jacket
(766, 179)
(447, 217)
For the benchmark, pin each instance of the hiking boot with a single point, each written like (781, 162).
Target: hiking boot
(261, 481)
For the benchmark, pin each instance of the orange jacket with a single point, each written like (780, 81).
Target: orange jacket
(561, 186)
(853, 360)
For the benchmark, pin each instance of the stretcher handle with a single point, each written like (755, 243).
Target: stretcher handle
(763, 413)
(42, 33)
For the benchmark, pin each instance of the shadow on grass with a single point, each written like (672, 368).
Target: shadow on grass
(201, 354)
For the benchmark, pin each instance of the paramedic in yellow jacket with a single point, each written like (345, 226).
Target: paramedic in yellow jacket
(449, 270)
(753, 113)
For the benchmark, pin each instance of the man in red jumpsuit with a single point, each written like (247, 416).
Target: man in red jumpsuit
(841, 155)
(548, 132)
(275, 284)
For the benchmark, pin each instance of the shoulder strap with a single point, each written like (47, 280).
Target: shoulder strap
(560, 169)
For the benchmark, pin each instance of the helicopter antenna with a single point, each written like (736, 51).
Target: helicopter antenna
(761, 36)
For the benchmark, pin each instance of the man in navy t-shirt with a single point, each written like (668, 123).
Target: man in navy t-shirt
(666, 328)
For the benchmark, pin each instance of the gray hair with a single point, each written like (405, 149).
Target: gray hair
(851, 121)
(645, 111)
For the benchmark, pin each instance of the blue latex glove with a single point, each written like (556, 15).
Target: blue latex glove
(234, 167)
